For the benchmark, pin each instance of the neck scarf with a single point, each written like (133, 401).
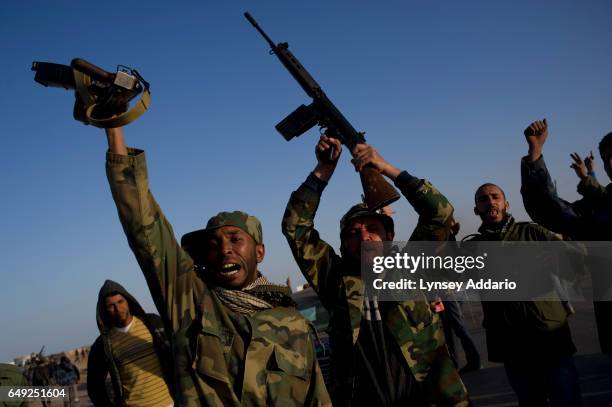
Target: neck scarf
(260, 295)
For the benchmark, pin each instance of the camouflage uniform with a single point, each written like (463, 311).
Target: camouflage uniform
(414, 327)
(222, 358)
(588, 219)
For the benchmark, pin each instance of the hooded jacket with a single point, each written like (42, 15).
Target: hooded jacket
(101, 361)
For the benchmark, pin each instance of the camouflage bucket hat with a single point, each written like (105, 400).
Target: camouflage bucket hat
(361, 210)
(250, 224)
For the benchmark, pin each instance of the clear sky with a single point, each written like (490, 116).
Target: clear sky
(442, 88)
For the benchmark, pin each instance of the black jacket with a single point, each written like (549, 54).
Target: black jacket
(524, 331)
(101, 362)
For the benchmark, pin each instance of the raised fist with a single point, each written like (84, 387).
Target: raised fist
(536, 134)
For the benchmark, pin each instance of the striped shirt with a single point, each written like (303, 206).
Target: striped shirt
(139, 367)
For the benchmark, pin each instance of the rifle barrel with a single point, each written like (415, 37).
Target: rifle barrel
(258, 28)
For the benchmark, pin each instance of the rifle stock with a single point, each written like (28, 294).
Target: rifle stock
(322, 112)
(377, 192)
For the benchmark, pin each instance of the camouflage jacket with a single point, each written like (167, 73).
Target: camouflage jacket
(589, 218)
(415, 328)
(524, 330)
(221, 358)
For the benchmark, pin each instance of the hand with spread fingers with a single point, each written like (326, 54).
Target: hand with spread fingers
(589, 161)
(579, 166)
(536, 134)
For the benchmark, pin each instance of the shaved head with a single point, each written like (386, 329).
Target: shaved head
(490, 204)
(486, 185)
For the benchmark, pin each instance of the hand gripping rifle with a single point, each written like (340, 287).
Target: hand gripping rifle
(322, 112)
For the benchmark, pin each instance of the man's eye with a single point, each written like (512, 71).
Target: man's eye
(236, 239)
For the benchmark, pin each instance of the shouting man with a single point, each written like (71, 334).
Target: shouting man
(237, 338)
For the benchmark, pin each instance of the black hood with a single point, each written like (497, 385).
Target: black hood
(109, 287)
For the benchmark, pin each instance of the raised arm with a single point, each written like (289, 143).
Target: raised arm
(166, 267)
(588, 186)
(539, 193)
(116, 141)
(435, 211)
(316, 259)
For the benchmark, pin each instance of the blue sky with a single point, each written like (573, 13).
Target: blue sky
(442, 89)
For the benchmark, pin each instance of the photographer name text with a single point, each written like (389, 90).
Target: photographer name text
(421, 284)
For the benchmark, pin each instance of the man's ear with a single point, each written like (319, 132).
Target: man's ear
(390, 236)
(260, 252)
(507, 205)
(476, 211)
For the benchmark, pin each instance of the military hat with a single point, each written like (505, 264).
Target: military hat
(242, 220)
(361, 210)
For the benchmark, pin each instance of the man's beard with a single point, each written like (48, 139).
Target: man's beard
(354, 262)
(502, 211)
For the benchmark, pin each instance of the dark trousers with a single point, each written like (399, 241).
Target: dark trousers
(603, 310)
(452, 322)
(542, 384)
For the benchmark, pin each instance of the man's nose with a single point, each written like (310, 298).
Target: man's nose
(226, 247)
(364, 235)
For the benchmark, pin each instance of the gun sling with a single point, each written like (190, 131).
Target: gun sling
(83, 82)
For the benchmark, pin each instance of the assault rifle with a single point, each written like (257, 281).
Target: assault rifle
(322, 112)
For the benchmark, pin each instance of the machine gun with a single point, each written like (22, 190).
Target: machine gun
(322, 112)
(102, 98)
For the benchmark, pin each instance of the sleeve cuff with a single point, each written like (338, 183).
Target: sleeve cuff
(406, 181)
(586, 183)
(534, 165)
(311, 189)
(315, 184)
(134, 156)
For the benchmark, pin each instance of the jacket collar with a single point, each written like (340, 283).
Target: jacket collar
(498, 230)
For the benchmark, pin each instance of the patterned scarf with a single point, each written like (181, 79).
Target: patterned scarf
(499, 229)
(260, 295)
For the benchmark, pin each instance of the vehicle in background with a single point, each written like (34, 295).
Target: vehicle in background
(311, 308)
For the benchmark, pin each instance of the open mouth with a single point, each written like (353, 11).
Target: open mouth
(493, 213)
(229, 269)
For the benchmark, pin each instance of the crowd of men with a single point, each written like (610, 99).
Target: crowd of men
(226, 336)
(40, 370)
